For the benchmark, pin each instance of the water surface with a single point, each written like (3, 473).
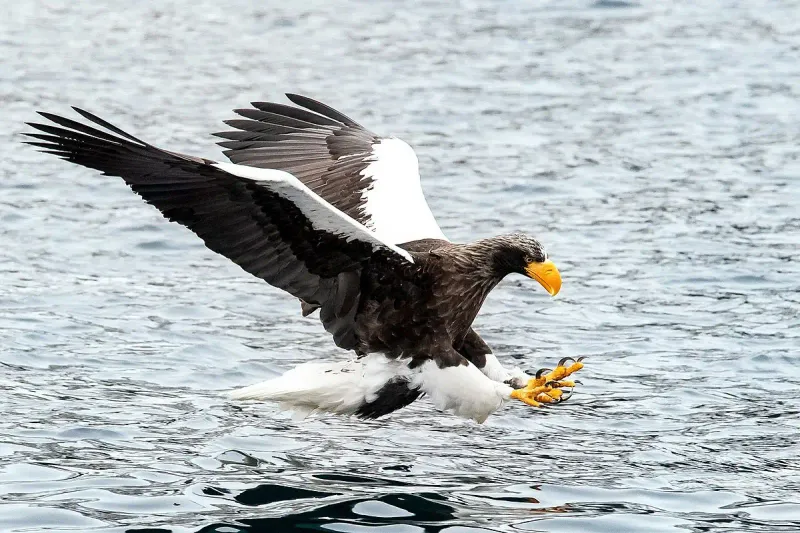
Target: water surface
(653, 147)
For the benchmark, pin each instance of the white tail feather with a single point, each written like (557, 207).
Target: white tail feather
(339, 388)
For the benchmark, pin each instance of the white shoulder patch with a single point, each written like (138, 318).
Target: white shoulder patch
(322, 215)
(394, 200)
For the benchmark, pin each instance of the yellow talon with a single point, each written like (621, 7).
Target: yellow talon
(544, 397)
(574, 367)
(557, 374)
(555, 393)
(548, 388)
(519, 394)
(536, 396)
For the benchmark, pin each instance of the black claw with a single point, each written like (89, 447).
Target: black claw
(563, 360)
(542, 371)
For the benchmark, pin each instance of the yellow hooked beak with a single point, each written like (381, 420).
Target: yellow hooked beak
(547, 274)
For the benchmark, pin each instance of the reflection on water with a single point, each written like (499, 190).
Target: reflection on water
(653, 148)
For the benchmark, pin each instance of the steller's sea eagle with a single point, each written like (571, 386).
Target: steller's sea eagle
(317, 205)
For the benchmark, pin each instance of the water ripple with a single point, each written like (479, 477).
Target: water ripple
(652, 147)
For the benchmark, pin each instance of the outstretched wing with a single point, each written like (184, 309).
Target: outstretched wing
(266, 221)
(372, 179)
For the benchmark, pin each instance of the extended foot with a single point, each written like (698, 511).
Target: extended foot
(548, 385)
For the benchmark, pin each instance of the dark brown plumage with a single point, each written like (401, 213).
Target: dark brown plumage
(324, 149)
(327, 153)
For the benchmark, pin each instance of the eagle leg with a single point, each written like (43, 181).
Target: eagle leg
(548, 385)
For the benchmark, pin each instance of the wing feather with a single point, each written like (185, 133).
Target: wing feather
(372, 179)
(266, 221)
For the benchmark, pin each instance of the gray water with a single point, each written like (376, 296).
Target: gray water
(652, 147)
